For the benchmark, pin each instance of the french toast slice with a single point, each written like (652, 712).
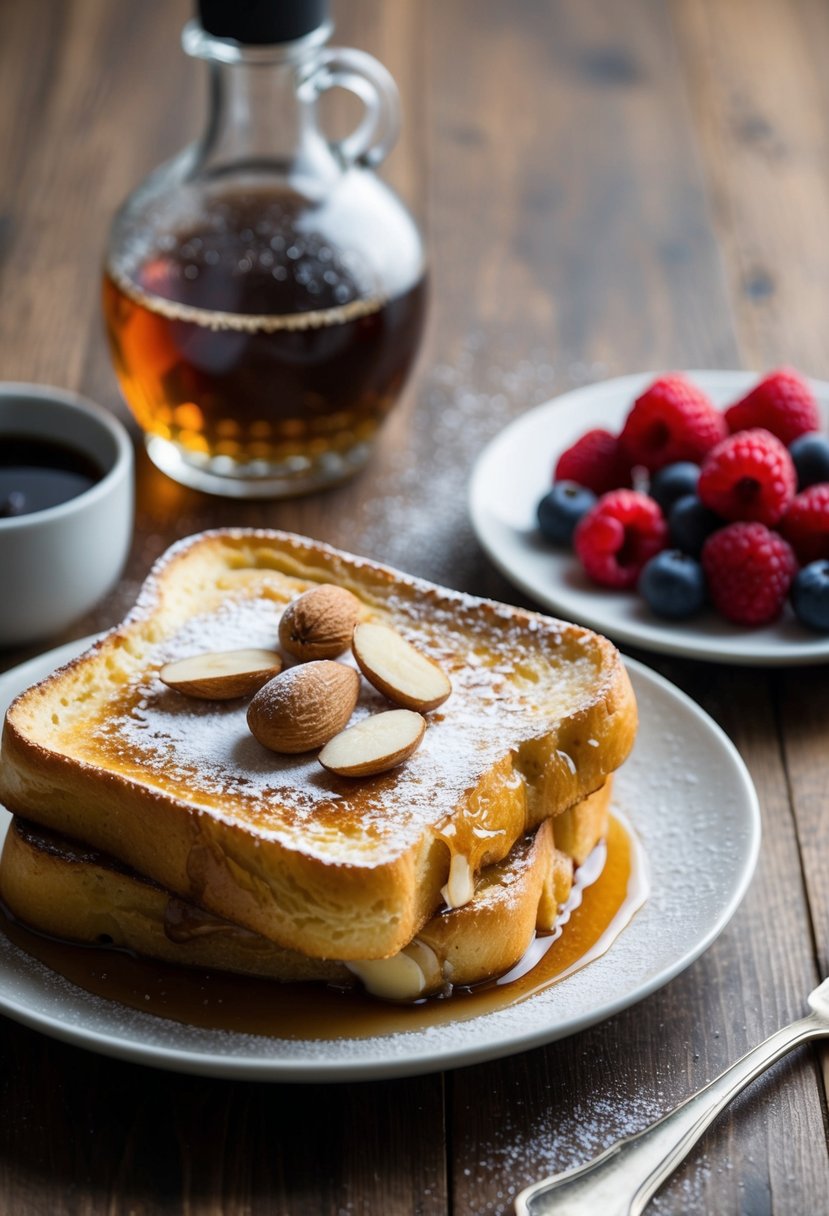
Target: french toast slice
(540, 714)
(70, 891)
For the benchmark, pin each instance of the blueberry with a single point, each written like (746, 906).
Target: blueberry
(690, 523)
(810, 595)
(810, 454)
(673, 585)
(673, 482)
(561, 509)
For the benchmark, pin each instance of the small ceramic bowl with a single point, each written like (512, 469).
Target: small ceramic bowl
(56, 563)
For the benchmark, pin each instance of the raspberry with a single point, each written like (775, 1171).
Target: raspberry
(595, 461)
(615, 540)
(806, 524)
(672, 420)
(781, 403)
(749, 570)
(749, 475)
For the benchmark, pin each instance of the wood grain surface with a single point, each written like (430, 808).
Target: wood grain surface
(604, 187)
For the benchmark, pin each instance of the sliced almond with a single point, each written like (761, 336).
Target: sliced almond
(222, 675)
(460, 888)
(375, 744)
(412, 973)
(304, 707)
(399, 978)
(319, 623)
(397, 670)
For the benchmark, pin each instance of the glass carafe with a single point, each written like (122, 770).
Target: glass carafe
(264, 291)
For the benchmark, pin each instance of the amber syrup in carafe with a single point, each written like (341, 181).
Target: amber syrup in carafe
(250, 337)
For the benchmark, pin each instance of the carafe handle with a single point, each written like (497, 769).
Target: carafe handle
(363, 75)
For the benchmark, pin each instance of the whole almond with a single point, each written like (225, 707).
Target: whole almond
(319, 623)
(374, 744)
(397, 670)
(221, 675)
(304, 707)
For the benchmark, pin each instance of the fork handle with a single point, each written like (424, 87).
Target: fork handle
(621, 1180)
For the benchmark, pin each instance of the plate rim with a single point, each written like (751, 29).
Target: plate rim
(656, 637)
(195, 1061)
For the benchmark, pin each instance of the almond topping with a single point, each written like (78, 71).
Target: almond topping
(319, 623)
(399, 978)
(375, 744)
(304, 707)
(412, 973)
(397, 670)
(222, 675)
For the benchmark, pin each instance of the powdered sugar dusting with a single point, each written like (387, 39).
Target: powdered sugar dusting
(203, 752)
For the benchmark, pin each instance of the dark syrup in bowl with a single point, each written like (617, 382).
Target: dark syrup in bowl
(37, 473)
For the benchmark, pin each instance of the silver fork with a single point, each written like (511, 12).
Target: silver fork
(621, 1180)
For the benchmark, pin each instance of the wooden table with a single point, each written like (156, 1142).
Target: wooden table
(605, 187)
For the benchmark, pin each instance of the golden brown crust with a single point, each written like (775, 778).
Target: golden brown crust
(73, 892)
(83, 896)
(577, 829)
(342, 869)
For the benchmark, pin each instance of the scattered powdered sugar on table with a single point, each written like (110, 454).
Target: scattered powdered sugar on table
(419, 519)
(567, 1135)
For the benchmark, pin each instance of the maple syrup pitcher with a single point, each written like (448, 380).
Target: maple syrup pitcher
(264, 292)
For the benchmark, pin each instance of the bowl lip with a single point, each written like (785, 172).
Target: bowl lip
(121, 466)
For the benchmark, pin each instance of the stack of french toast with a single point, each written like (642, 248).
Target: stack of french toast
(296, 763)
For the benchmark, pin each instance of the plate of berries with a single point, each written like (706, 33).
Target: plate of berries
(686, 513)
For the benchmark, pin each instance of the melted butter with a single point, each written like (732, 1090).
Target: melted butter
(610, 887)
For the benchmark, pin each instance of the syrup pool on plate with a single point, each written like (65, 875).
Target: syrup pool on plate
(609, 888)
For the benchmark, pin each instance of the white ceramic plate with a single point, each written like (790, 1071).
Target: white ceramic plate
(515, 471)
(683, 786)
